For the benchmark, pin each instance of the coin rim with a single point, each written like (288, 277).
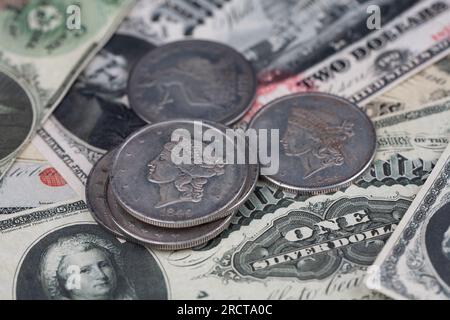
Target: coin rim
(333, 187)
(229, 120)
(250, 183)
(216, 215)
(89, 201)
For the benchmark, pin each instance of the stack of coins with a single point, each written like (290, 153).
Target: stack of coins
(141, 192)
(138, 192)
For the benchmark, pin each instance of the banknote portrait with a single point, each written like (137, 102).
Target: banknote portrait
(437, 242)
(96, 108)
(82, 262)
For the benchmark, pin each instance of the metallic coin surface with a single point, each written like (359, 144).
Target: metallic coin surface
(96, 187)
(149, 185)
(325, 141)
(159, 237)
(192, 79)
(249, 187)
(17, 116)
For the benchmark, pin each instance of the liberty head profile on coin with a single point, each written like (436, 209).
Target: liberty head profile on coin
(192, 79)
(326, 141)
(180, 183)
(157, 190)
(316, 143)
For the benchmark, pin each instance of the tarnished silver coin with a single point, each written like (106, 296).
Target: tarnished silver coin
(159, 237)
(250, 184)
(192, 79)
(150, 186)
(325, 141)
(17, 116)
(96, 187)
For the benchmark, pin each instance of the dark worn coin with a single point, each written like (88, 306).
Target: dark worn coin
(193, 79)
(157, 191)
(159, 237)
(17, 116)
(96, 187)
(325, 141)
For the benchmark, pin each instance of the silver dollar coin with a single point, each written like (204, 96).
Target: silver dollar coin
(163, 238)
(325, 141)
(192, 79)
(156, 190)
(96, 187)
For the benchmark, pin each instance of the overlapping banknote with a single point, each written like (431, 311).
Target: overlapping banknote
(42, 51)
(280, 38)
(377, 63)
(414, 263)
(32, 182)
(431, 84)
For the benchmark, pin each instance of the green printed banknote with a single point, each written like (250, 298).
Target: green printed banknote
(44, 44)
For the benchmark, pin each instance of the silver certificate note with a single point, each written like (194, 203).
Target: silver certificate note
(415, 262)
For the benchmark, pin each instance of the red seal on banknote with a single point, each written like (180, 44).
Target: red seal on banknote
(52, 178)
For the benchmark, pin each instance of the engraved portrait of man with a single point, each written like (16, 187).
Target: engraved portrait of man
(96, 109)
(317, 144)
(84, 267)
(180, 183)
